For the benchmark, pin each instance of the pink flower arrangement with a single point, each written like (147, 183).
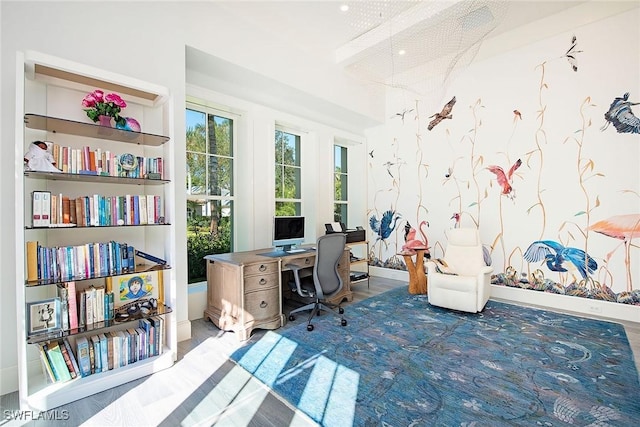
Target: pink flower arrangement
(98, 104)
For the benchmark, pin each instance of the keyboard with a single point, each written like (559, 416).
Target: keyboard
(295, 251)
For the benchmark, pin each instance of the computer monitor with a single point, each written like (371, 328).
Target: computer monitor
(288, 231)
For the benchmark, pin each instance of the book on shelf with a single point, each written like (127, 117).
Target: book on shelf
(58, 364)
(104, 352)
(143, 345)
(72, 357)
(72, 304)
(110, 349)
(67, 359)
(41, 208)
(46, 365)
(32, 261)
(83, 354)
(63, 294)
(150, 257)
(95, 355)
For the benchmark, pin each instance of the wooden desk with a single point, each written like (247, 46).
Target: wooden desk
(244, 289)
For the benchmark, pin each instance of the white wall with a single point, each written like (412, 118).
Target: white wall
(558, 137)
(147, 43)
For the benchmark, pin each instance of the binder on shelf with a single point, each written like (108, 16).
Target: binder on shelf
(150, 257)
(41, 208)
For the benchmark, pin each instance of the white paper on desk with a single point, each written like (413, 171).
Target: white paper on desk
(336, 227)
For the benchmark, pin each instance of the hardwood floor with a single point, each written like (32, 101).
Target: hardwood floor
(204, 388)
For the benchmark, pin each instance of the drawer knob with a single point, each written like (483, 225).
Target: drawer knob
(307, 261)
(263, 304)
(263, 281)
(262, 267)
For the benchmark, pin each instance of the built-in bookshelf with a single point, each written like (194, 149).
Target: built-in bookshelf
(108, 226)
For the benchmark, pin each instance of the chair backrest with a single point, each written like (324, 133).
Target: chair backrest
(464, 251)
(329, 250)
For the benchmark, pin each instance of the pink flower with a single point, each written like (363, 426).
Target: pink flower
(96, 104)
(115, 98)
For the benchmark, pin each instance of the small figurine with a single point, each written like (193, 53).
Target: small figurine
(38, 158)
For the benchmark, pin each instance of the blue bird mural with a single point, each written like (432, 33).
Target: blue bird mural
(557, 255)
(385, 226)
(621, 116)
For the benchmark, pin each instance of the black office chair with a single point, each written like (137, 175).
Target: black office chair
(323, 282)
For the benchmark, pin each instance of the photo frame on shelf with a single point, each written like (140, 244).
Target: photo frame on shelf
(43, 316)
(130, 287)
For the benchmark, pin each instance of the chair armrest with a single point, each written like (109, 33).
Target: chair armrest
(431, 267)
(296, 270)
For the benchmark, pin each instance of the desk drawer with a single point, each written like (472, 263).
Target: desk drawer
(263, 281)
(261, 269)
(262, 305)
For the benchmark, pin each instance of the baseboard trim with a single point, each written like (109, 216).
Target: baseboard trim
(388, 273)
(184, 330)
(8, 380)
(581, 306)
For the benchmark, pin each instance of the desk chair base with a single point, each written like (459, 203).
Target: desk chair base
(315, 308)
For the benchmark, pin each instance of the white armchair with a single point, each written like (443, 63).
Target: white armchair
(463, 282)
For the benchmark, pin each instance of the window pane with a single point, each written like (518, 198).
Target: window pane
(220, 136)
(291, 183)
(196, 131)
(340, 213)
(196, 173)
(340, 158)
(220, 176)
(287, 148)
(340, 190)
(288, 209)
(279, 182)
(209, 225)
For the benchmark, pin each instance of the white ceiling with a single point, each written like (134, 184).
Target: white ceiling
(367, 37)
(439, 36)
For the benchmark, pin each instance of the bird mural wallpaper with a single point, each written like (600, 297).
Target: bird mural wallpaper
(573, 228)
(621, 116)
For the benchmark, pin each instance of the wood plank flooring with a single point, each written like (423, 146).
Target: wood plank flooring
(204, 388)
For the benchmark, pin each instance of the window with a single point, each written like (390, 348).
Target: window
(288, 173)
(340, 194)
(210, 196)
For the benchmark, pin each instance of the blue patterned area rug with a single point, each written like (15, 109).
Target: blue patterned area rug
(402, 362)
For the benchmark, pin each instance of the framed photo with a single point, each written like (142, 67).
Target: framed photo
(130, 287)
(43, 316)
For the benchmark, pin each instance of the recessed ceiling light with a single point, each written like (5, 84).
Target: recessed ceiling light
(344, 7)
(402, 52)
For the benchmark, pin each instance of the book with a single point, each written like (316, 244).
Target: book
(67, 360)
(157, 322)
(110, 348)
(95, 354)
(133, 346)
(58, 364)
(32, 261)
(46, 366)
(72, 305)
(63, 294)
(150, 257)
(36, 209)
(72, 356)
(99, 315)
(104, 353)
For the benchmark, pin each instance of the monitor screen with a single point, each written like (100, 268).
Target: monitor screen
(288, 231)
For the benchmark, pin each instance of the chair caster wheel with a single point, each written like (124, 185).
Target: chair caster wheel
(344, 322)
(292, 317)
(340, 310)
(309, 327)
